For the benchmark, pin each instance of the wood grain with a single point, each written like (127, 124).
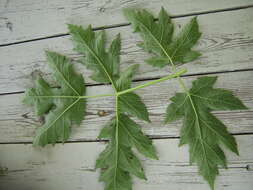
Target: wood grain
(226, 45)
(18, 123)
(30, 19)
(71, 166)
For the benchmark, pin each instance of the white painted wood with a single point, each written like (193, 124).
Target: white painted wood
(29, 19)
(18, 123)
(71, 166)
(226, 45)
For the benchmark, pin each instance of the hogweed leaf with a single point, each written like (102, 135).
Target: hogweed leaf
(105, 64)
(159, 39)
(201, 129)
(118, 161)
(59, 112)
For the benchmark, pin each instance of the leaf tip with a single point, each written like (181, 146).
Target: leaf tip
(154, 155)
(237, 152)
(118, 36)
(162, 11)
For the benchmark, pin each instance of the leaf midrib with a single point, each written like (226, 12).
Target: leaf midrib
(99, 61)
(218, 134)
(182, 41)
(200, 133)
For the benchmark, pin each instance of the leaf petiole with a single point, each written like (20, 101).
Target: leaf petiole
(97, 96)
(175, 75)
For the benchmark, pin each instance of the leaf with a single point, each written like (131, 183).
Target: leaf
(131, 103)
(104, 64)
(61, 107)
(118, 161)
(158, 37)
(201, 129)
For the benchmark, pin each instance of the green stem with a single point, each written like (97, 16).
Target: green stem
(116, 141)
(97, 96)
(175, 75)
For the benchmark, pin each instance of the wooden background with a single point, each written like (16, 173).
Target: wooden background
(28, 27)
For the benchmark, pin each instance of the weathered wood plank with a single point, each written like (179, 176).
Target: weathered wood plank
(18, 123)
(71, 166)
(29, 19)
(226, 45)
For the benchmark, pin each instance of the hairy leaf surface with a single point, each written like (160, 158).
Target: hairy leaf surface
(118, 161)
(60, 107)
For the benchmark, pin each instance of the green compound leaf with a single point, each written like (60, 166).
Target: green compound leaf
(158, 37)
(118, 161)
(61, 107)
(201, 129)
